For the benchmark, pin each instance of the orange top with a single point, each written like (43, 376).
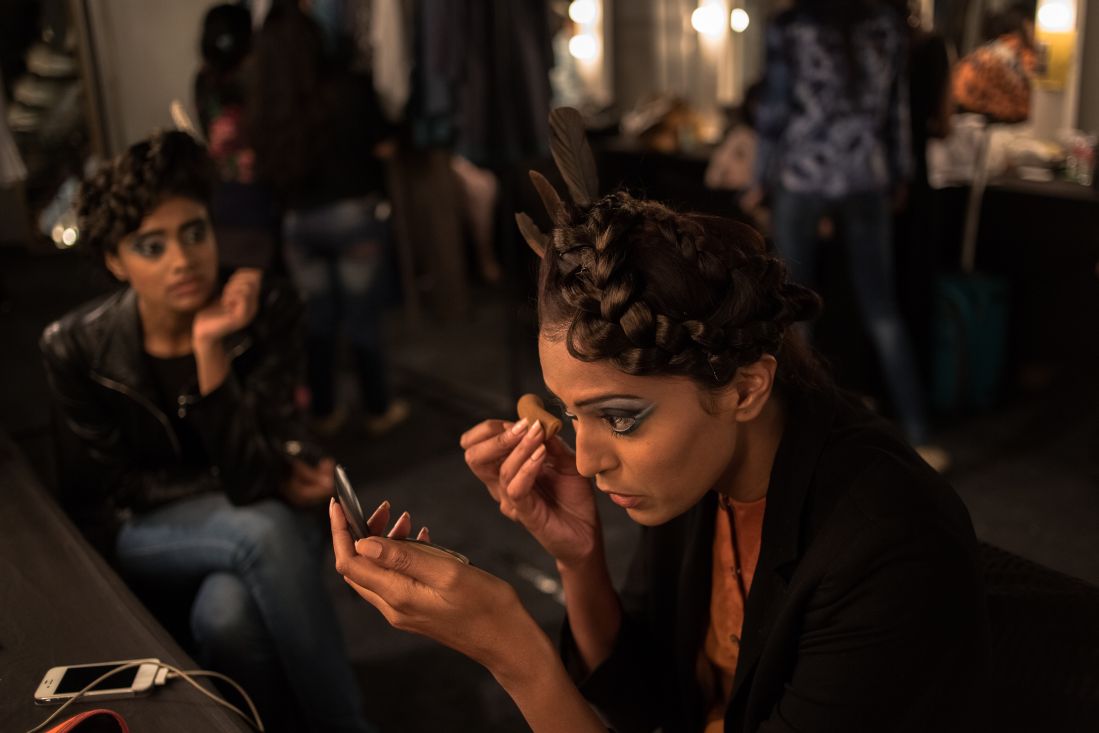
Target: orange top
(995, 79)
(736, 551)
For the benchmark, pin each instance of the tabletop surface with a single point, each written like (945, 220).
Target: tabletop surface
(60, 603)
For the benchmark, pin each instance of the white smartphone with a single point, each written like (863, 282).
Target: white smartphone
(61, 683)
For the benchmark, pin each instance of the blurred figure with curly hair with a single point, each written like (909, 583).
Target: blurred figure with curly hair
(179, 391)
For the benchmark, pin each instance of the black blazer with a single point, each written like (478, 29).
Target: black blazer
(866, 611)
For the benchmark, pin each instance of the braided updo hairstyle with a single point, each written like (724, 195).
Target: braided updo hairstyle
(655, 292)
(113, 201)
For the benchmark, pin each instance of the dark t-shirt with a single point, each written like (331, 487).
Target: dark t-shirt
(176, 383)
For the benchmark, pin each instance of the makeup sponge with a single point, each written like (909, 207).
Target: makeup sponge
(532, 408)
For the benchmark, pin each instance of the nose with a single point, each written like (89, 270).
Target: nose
(177, 255)
(594, 452)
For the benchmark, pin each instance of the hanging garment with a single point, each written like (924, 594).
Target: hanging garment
(12, 170)
(392, 57)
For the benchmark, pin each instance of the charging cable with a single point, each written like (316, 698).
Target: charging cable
(186, 676)
(165, 673)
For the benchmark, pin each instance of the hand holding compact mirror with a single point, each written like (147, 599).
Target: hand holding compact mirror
(358, 527)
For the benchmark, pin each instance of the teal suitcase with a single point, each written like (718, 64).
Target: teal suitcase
(969, 330)
(969, 342)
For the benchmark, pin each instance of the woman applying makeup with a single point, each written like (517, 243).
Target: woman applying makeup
(799, 567)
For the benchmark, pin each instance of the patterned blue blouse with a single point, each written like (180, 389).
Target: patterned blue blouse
(822, 130)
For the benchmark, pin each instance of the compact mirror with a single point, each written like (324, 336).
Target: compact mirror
(356, 520)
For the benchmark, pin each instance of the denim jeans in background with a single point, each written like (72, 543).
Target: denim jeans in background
(261, 600)
(336, 255)
(864, 222)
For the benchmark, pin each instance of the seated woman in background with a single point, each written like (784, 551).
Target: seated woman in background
(800, 568)
(179, 392)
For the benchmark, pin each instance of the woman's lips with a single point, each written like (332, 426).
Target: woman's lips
(186, 287)
(626, 501)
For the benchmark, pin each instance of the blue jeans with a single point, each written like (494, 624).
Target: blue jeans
(336, 253)
(864, 222)
(260, 601)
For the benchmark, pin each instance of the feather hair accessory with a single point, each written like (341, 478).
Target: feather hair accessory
(571, 152)
(574, 159)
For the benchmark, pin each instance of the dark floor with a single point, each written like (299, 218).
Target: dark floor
(1028, 471)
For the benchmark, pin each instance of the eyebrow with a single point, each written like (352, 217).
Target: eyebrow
(599, 398)
(161, 232)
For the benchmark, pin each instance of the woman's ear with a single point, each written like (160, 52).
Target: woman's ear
(114, 264)
(752, 386)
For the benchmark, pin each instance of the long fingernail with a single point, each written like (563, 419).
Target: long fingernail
(536, 428)
(369, 548)
(383, 507)
(520, 427)
(538, 454)
(405, 517)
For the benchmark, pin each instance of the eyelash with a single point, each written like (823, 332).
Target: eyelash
(194, 235)
(190, 236)
(151, 250)
(609, 420)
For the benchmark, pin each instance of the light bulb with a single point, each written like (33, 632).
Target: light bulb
(583, 11)
(739, 20)
(709, 20)
(583, 46)
(1056, 15)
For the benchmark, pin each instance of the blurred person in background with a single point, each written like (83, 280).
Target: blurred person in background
(220, 88)
(931, 57)
(244, 211)
(994, 80)
(732, 165)
(188, 470)
(318, 132)
(834, 142)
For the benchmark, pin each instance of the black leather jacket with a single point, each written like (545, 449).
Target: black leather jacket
(126, 457)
